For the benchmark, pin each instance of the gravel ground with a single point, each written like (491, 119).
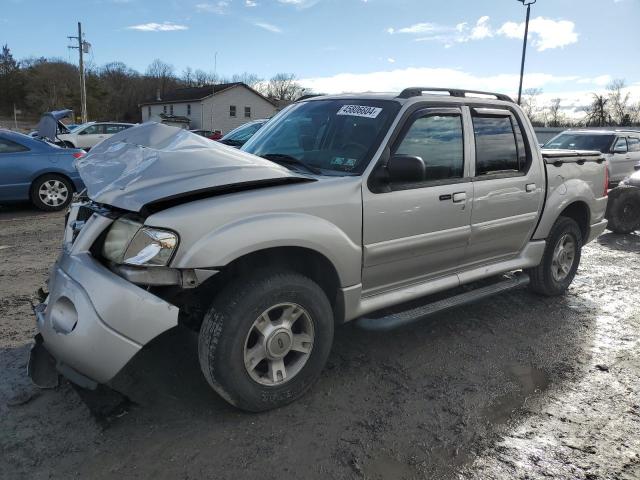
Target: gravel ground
(516, 386)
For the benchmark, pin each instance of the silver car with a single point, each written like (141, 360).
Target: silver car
(620, 147)
(339, 208)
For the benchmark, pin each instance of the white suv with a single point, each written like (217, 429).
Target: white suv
(90, 134)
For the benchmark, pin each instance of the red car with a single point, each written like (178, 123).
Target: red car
(215, 135)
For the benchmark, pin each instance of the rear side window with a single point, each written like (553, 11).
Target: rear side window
(634, 144)
(499, 145)
(7, 146)
(438, 140)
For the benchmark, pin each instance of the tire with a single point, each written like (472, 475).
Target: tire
(547, 278)
(623, 209)
(231, 330)
(51, 192)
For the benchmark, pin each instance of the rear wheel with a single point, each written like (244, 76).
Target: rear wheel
(51, 192)
(623, 209)
(560, 261)
(265, 339)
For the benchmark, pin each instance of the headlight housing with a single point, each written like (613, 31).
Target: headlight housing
(129, 242)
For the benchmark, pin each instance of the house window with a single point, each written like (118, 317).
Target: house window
(247, 112)
(232, 110)
(164, 109)
(171, 110)
(188, 109)
(149, 111)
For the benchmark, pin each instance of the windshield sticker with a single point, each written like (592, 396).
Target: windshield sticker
(348, 163)
(359, 111)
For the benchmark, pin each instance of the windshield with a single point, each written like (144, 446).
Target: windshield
(240, 135)
(331, 135)
(574, 141)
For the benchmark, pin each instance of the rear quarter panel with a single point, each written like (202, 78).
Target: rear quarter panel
(568, 183)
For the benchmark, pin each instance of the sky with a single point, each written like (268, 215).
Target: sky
(575, 46)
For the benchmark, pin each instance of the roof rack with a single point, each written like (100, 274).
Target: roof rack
(454, 92)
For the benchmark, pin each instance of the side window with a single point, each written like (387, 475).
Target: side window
(7, 146)
(111, 129)
(247, 112)
(634, 144)
(171, 109)
(91, 130)
(164, 109)
(438, 140)
(149, 111)
(188, 109)
(232, 110)
(620, 146)
(499, 145)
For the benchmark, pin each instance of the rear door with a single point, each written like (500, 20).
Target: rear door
(508, 187)
(419, 229)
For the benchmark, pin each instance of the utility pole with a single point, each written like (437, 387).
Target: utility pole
(213, 87)
(83, 47)
(528, 4)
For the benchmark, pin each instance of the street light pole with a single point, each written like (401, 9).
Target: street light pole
(528, 4)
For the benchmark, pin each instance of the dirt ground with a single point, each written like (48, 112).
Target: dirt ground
(516, 386)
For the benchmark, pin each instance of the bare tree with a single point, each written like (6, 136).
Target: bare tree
(162, 73)
(530, 103)
(555, 117)
(618, 101)
(597, 112)
(284, 86)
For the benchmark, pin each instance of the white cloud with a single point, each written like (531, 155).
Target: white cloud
(299, 3)
(158, 27)
(268, 26)
(219, 8)
(391, 60)
(546, 33)
(573, 100)
(250, 3)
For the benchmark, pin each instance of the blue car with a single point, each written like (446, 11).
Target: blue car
(33, 169)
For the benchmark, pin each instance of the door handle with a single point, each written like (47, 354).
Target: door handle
(530, 187)
(459, 197)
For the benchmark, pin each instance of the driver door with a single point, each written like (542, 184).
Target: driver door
(90, 136)
(418, 230)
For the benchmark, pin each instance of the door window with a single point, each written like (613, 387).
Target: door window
(438, 140)
(634, 144)
(92, 130)
(500, 146)
(111, 129)
(7, 146)
(620, 146)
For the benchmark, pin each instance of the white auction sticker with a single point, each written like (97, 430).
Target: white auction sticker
(360, 111)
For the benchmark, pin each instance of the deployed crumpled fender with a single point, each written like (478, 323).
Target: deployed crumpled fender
(154, 166)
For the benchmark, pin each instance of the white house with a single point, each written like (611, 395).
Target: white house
(221, 107)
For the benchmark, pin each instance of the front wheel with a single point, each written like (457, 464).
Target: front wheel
(51, 192)
(265, 339)
(560, 260)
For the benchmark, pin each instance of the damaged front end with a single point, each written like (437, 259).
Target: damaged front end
(93, 320)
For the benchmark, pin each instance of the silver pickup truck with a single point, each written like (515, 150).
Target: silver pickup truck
(381, 208)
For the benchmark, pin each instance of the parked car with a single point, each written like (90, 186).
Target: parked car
(623, 209)
(241, 135)
(90, 134)
(621, 148)
(340, 208)
(34, 170)
(211, 135)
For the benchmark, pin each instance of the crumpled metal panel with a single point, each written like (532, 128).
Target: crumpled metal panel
(152, 161)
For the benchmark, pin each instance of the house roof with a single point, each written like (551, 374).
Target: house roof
(194, 94)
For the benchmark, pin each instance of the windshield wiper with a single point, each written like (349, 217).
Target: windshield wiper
(282, 158)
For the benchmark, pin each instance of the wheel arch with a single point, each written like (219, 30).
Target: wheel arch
(57, 173)
(579, 212)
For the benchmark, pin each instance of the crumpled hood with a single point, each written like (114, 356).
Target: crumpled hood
(154, 164)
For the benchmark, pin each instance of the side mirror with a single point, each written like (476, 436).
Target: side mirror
(406, 168)
(636, 167)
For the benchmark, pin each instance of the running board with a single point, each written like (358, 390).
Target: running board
(405, 317)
